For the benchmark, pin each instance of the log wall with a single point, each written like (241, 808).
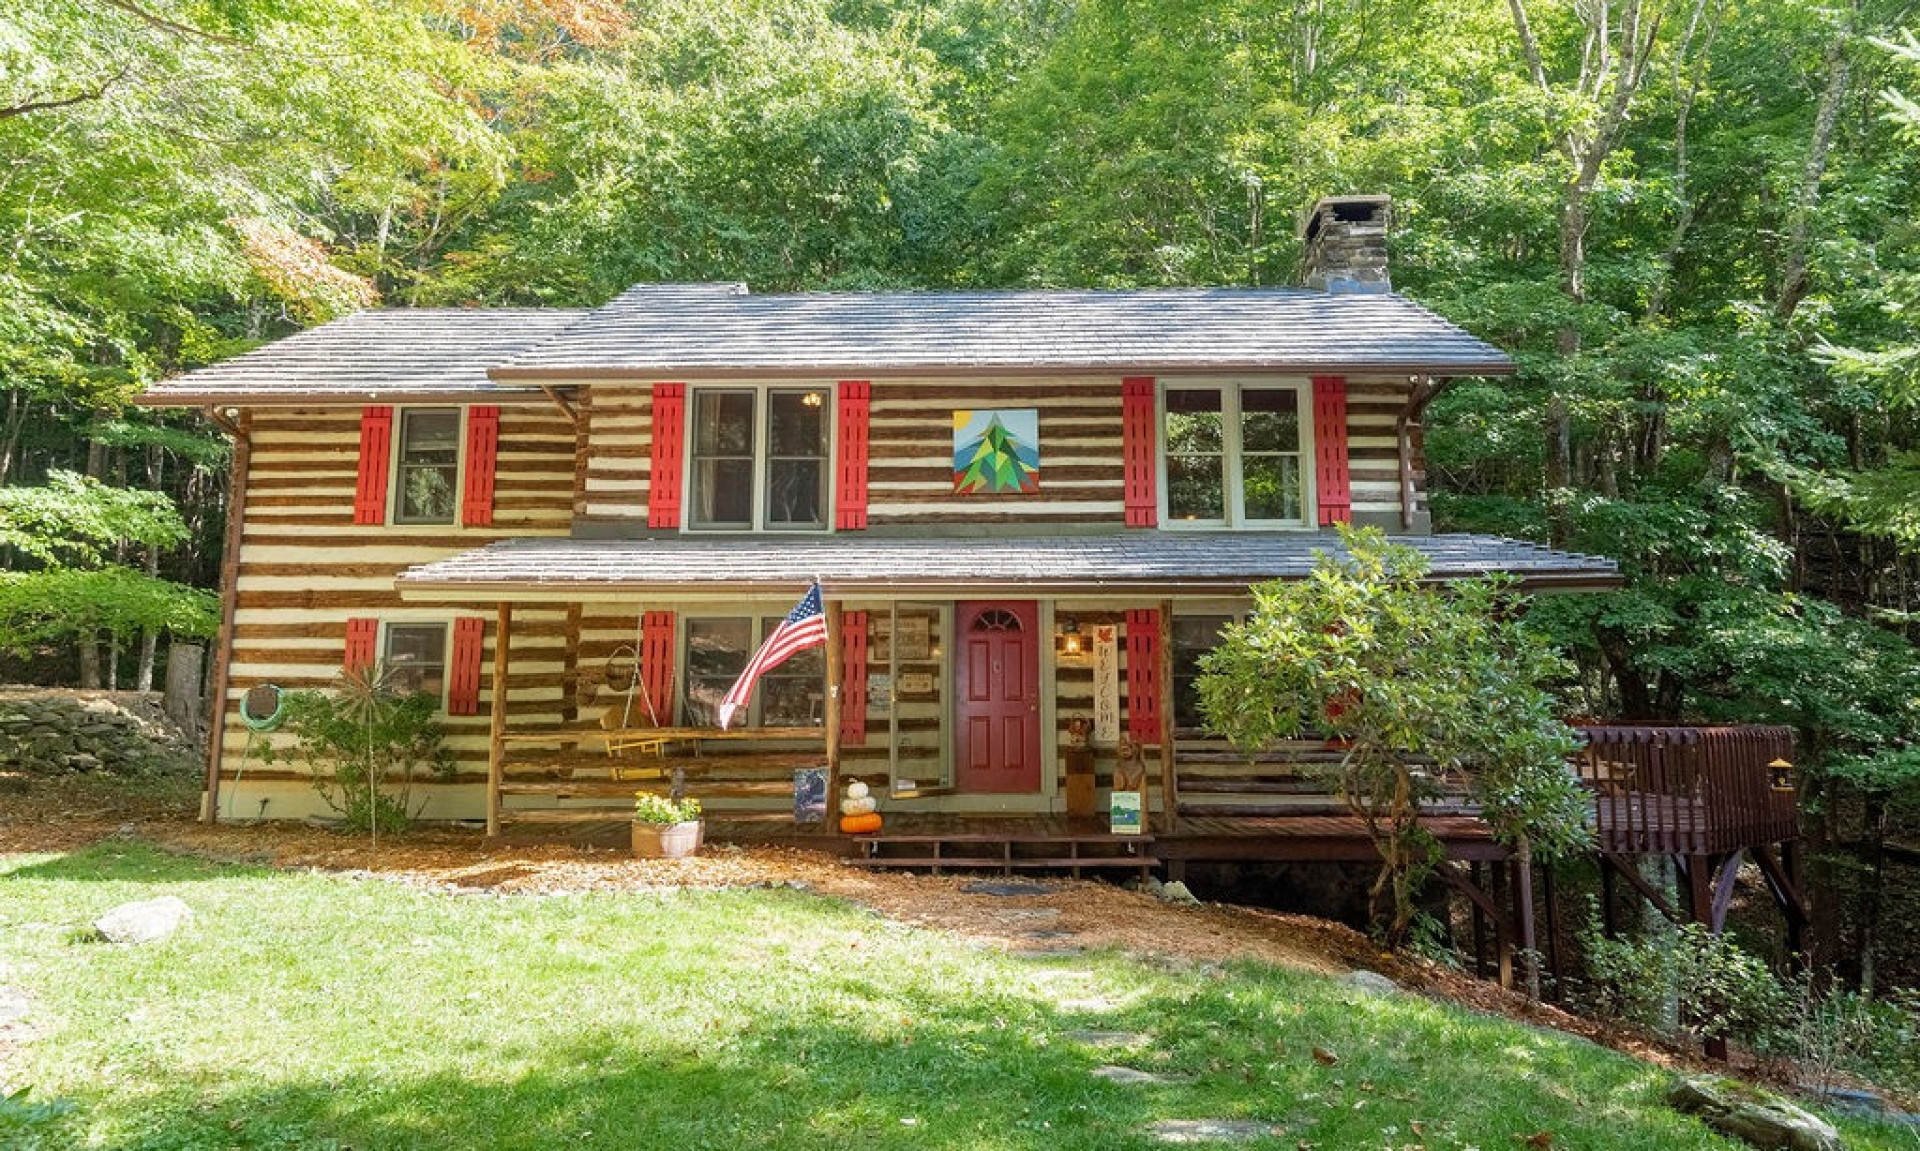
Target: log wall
(306, 568)
(910, 468)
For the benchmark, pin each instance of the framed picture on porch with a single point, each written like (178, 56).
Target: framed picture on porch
(810, 795)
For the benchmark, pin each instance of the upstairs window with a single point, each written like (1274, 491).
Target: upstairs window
(1233, 455)
(428, 466)
(758, 458)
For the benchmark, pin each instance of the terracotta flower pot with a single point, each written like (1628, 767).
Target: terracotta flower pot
(667, 840)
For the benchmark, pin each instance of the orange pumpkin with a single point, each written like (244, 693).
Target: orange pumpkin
(860, 824)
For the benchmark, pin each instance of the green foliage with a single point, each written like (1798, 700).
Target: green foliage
(77, 520)
(60, 604)
(1426, 690)
(365, 743)
(74, 525)
(1689, 981)
(649, 807)
(1843, 1032)
(26, 1123)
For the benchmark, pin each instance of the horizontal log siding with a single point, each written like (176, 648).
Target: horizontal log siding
(910, 473)
(1373, 448)
(306, 568)
(618, 419)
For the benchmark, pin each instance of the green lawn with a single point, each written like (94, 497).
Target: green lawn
(318, 1011)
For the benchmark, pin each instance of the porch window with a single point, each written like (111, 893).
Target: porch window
(1233, 455)
(759, 458)
(428, 466)
(717, 651)
(415, 657)
(1193, 637)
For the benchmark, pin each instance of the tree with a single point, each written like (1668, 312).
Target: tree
(1425, 689)
(72, 527)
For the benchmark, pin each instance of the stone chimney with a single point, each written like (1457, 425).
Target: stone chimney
(1346, 244)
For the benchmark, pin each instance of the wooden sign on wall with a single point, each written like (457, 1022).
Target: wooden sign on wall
(1106, 686)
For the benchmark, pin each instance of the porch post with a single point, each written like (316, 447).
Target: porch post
(1169, 794)
(834, 704)
(497, 728)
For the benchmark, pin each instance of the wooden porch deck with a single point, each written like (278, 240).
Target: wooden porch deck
(1057, 842)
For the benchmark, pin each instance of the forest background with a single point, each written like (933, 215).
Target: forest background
(1691, 221)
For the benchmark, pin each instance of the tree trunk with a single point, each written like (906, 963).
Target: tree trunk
(181, 702)
(87, 643)
(149, 638)
(16, 421)
(1793, 275)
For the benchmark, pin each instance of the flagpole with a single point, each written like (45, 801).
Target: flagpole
(834, 704)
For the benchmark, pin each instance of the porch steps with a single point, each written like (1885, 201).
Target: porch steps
(1005, 847)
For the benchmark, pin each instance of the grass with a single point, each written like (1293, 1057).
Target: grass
(304, 1010)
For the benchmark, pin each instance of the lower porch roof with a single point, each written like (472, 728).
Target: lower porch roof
(1157, 563)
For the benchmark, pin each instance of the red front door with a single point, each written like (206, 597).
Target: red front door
(997, 693)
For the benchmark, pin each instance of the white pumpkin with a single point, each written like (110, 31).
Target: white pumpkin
(864, 805)
(857, 790)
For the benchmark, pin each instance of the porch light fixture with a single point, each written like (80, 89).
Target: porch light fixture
(1780, 772)
(1070, 632)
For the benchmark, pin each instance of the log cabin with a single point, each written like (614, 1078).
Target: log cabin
(1029, 513)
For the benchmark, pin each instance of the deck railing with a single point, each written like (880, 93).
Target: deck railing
(1687, 790)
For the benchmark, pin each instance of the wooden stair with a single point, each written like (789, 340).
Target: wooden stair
(1005, 846)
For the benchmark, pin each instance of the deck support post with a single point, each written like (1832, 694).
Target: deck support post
(1169, 792)
(1700, 901)
(1522, 868)
(1479, 925)
(497, 718)
(1778, 872)
(1502, 929)
(834, 706)
(1609, 923)
(1548, 885)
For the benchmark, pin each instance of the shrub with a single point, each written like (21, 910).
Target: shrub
(1688, 982)
(365, 743)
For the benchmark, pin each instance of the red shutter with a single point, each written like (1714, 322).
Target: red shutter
(483, 446)
(1143, 675)
(1334, 486)
(1138, 443)
(362, 635)
(656, 669)
(376, 444)
(850, 502)
(669, 449)
(853, 677)
(463, 674)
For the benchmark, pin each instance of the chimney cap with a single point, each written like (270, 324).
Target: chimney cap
(1352, 209)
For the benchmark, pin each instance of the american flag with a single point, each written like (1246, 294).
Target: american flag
(804, 627)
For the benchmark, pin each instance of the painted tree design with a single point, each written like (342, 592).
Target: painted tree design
(998, 462)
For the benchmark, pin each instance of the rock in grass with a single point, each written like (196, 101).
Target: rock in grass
(1371, 982)
(1758, 1117)
(146, 921)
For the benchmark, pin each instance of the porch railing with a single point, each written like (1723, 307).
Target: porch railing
(1686, 790)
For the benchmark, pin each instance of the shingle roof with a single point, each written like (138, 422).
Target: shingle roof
(650, 331)
(1163, 561)
(439, 353)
